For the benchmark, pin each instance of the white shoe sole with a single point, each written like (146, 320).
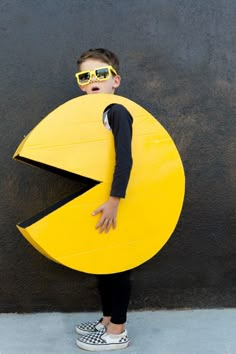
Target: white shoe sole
(97, 348)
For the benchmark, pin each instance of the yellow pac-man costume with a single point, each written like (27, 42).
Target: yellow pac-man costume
(73, 139)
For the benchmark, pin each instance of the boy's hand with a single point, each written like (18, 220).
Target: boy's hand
(108, 217)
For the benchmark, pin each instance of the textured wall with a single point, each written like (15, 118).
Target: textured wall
(178, 61)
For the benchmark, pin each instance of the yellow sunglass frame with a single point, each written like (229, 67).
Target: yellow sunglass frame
(93, 73)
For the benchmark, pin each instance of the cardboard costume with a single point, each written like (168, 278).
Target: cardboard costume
(73, 139)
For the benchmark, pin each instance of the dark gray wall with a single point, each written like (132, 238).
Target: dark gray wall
(178, 61)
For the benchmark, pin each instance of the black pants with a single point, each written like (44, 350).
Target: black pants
(114, 291)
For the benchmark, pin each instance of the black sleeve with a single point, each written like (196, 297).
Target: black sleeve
(120, 122)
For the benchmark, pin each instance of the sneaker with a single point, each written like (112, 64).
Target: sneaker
(103, 341)
(90, 327)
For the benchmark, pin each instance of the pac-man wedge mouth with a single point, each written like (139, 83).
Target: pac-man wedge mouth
(84, 182)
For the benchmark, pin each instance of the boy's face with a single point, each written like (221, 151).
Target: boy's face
(96, 86)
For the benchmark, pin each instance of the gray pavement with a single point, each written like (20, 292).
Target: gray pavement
(151, 332)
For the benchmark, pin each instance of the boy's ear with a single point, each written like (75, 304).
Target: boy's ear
(116, 81)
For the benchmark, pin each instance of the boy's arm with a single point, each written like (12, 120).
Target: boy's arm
(120, 122)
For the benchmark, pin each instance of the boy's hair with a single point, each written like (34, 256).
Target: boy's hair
(102, 54)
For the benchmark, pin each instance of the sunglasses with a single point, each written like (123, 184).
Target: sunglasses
(101, 74)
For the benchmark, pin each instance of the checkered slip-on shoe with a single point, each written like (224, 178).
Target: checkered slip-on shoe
(103, 341)
(90, 327)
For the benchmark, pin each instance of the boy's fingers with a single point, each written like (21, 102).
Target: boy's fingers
(104, 225)
(101, 222)
(101, 228)
(111, 224)
(108, 226)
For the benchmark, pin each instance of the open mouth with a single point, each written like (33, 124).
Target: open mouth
(95, 88)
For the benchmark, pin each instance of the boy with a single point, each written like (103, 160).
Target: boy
(99, 73)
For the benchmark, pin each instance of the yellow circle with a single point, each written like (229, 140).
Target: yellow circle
(73, 138)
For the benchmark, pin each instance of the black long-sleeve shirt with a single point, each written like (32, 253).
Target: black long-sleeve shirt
(120, 122)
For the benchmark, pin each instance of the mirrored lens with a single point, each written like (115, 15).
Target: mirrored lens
(102, 73)
(84, 77)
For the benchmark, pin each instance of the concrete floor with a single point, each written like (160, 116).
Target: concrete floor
(151, 332)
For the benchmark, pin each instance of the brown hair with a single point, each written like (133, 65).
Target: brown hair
(102, 54)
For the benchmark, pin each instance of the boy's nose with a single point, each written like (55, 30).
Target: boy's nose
(93, 78)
